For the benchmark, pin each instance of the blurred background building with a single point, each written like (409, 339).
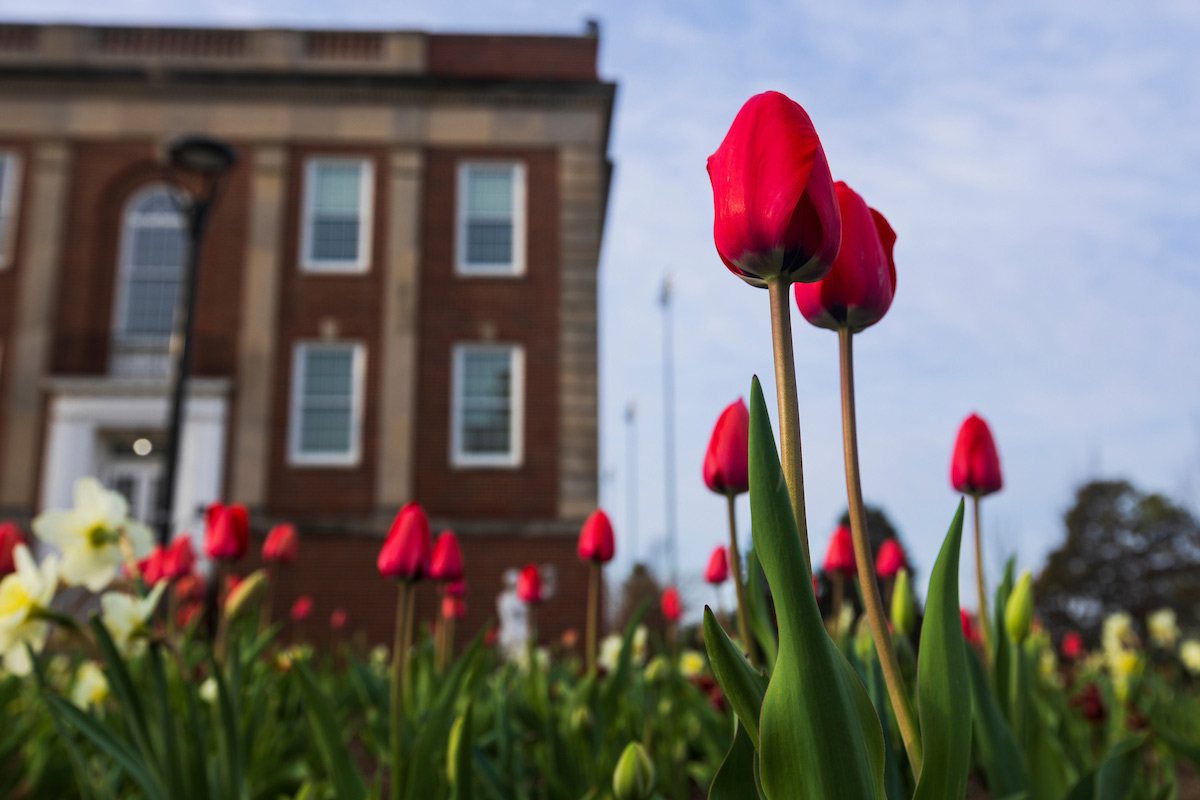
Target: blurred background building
(396, 298)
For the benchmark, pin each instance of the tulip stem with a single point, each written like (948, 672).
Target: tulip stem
(876, 616)
(593, 613)
(985, 627)
(399, 664)
(735, 567)
(789, 407)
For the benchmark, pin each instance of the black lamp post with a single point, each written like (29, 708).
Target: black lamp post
(209, 160)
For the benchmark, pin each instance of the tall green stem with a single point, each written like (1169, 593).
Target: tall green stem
(789, 407)
(735, 569)
(593, 613)
(876, 616)
(985, 622)
(399, 667)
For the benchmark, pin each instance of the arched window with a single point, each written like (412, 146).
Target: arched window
(153, 248)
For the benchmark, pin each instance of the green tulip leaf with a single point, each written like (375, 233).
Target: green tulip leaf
(742, 685)
(818, 732)
(1114, 778)
(943, 684)
(761, 624)
(1001, 757)
(735, 778)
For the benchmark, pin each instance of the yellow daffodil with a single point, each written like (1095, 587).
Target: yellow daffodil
(1163, 628)
(23, 594)
(91, 688)
(1189, 654)
(89, 535)
(125, 617)
(691, 663)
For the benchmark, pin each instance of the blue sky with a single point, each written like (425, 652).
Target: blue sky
(1039, 162)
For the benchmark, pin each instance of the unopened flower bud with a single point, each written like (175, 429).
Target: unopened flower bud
(245, 593)
(633, 779)
(864, 646)
(1018, 614)
(904, 608)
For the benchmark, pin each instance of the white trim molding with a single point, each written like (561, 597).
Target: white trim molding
(351, 457)
(459, 456)
(366, 207)
(515, 267)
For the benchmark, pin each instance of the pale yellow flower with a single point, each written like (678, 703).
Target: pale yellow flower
(23, 593)
(1125, 667)
(209, 691)
(610, 652)
(691, 663)
(1163, 628)
(91, 688)
(125, 617)
(1118, 633)
(89, 535)
(657, 669)
(641, 637)
(1189, 654)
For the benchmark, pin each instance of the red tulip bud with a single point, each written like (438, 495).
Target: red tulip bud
(446, 563)
(406, 551)
(281, 545)
(302, 608)
(840, 555)
(1072, 645)
(858, 291)
(672, 605)
(529, 585)
(596, 538)
(10, 537)
(180, 558)
(970, 628)
(189, 588)
(727, 462)
(227, 532)
(890, 559)
(776, 210)
(718, 567)
(453, 607)
(151, 566)
(456, 588)
(337, 620)
(975, 469)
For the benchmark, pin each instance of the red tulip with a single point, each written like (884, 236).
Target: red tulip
(188, 613)
(456, 588)
(858, 291)
(890, 559)
(337, 620)
(672, 605)
(596, 539)
(406, 551)
(189, 588)
(453, 607)
(1091, 704)
(446, 563)
(529, 585)
(180, 558)
(226, 532)
(302, 608)
(1072, 645)
(840, 555)
(10, 537)
(776, 210)
(151, 566)
(970, 628)
(281, 545)
(975, 469)
(727, 462)
(717, 571)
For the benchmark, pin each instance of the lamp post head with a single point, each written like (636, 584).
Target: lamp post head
(202, 155)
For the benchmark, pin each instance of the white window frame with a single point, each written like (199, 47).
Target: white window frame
(515, 268)
(358, 369)
(9, 194)
(366, 209)
(516, 393)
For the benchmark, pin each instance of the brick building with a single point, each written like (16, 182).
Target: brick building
(397, 295)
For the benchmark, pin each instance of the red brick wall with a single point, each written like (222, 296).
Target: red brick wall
(355, 303)
(10, 275)
(104, 174)
(550, 58)
(520, 310)
(339, 572)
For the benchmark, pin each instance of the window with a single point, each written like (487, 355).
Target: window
(10, 176)
(491, 218)
(153, 248)
(486, 409)
(337, 215)
(327, 380)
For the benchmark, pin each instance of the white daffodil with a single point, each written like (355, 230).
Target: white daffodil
(1163, 628)
(89, 535)
(1189, 654)
(610, 652)
(22, 594)
(209, 691)
(91, 688)
(125, 616)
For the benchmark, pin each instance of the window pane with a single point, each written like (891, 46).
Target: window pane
(159, 202)
(150, 307)
(156, 246)
(489, 192)
(326, 412)
(337, 188)
(325, 430)
(486, 402)
(489, 242)
(334, 239)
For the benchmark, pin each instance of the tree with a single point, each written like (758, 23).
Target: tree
(1125, 550)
